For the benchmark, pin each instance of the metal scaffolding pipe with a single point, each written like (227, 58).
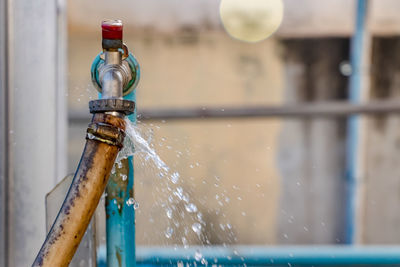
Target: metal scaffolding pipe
(269, 256)
(358, 90)
(327, 109)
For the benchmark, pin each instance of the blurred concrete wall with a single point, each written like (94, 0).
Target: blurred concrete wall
(383, 150)
(312, 151)
(301, 18)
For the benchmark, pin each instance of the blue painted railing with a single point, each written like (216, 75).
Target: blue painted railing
(268, 256)
(353, 124)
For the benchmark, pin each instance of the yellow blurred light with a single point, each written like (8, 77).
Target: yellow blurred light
(251, 20)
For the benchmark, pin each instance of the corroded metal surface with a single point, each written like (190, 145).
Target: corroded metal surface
(102, 105)
(120, 214)
(84, 194)
(119, 183)
(106, 134)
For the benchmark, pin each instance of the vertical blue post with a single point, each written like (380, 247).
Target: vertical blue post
(357, 51)
(120, 212)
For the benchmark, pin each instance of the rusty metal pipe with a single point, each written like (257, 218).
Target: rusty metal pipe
(84, 194)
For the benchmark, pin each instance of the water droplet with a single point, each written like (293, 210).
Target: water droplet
(185, 242)
(176, 223)
(175, 177)
(169, 232)
(196, 227)
(197, 255)
(285, 236)
(179, 193)
(169, 213)
(191, 207)
(130, 201)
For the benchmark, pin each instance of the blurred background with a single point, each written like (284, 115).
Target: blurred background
(266, 180)
(289, 173)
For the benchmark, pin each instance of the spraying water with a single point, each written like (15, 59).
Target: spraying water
(176, 202)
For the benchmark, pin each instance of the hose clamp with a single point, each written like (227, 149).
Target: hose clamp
(106, 133)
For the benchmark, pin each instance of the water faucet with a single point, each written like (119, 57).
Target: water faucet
(115, 73)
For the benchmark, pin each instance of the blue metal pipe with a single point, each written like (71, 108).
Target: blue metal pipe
(355, 84)
(269, 256)
(120, 212)
(120, 207)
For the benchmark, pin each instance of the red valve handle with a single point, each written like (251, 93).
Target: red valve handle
(112, 29)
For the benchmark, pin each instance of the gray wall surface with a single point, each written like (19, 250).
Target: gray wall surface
(312, 151)
(311, 18)
(382, 197)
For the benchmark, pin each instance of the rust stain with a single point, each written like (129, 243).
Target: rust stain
(118, 253)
